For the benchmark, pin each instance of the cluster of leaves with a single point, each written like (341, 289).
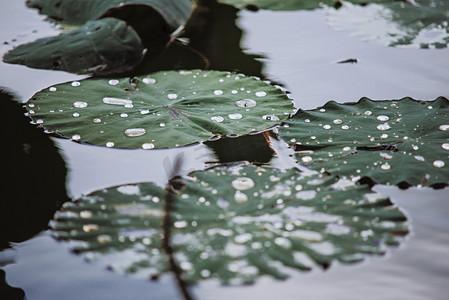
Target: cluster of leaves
(232, 223)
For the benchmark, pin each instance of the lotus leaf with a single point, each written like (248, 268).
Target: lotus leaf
(164, 109)
(233, 224)
(403, 142)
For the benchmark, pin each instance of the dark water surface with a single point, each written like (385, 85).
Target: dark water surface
(300, 51)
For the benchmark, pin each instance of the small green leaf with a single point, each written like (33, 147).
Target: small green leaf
(403, 142)
(233, 224)
(164, 109)
(102, 46)
(422, 23)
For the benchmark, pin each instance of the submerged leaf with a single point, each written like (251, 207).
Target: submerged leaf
(233, 224)
(422, 23)
(102, 46)
(403, 142)
(164, 109)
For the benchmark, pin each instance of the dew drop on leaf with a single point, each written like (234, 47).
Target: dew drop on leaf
(270, 118)
(261, 94)
(383, 118)
(133, 132)
(76, 83)
(148, 146)
(110, 144)
(438, 164)
(113, 82)
(80, 104)
(445, 146)
(217, 119)
(235, 116)
(149, 80)
(243, 183)
(444, 127)
(116, 101)
(306, 159)
(172, 96)
(246, 103)
(385, 166)
(76, 137)
(384, 126)
(218, 92)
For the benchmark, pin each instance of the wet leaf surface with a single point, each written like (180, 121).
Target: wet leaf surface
(164, 109)
(402, 142)
(233, 224)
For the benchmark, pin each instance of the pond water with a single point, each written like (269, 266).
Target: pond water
(300, 51)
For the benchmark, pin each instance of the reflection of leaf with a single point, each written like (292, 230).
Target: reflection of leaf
(233, 224)
(165, 109)
(212, 30)
(404, 142)
(397, 23)
(102, 46)
(253, 148)
(285, 4)
(33, 175)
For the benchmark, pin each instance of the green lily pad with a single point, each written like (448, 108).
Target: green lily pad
(403, 142)
(233, 224)
(102, 46)
(422, 23)
(78, 12)
(164, 109)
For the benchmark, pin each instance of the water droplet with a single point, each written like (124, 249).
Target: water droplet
(132, 132)
(205, 273)
(260, 94)
(172, 96)
(180, 224)
(368, 113)
(444, 127)
(383, 118)
(337, 121)
(240, 197)
(270, 118)
(52, 89)
(96, 120)
(384, 126)
(76, 83)
(283, 242)
(39, 121)
(385, 156)
(385, 166)
(384, 136)
(306, 159)
(416, 147)
(438, 164)
(104, 238)
(147, 146)
(218, 92)
(243, 183)
(430, 107)
(76, 137)
(217, 119)
(307, 120)
(347, 149)
(345, 127)
(419, 157)
(116, 101)
(90, 227)
(162, 124)
(327, 127)
(236, 116)
(234, 92)
(129, 105)
(445, 146)
(110, 144)
(113, 82)
(124, 115)
(80, 104)
(246, 103)
(144, 111)
(322, 110)
(86, 214)
(149, 80)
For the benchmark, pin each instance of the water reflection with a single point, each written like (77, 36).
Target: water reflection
(34, 175)
(252, 148)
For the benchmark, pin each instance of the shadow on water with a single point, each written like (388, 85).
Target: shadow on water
(34, 175)
(8, 292)
(252, 148)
